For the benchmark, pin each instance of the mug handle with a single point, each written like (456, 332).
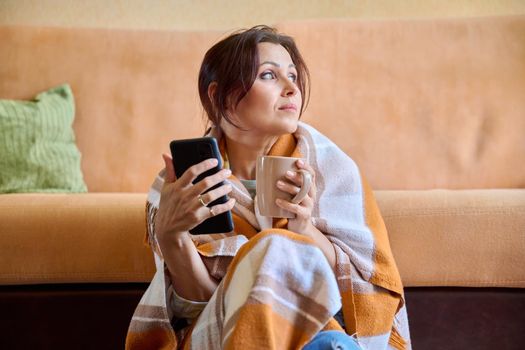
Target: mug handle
(307, 183)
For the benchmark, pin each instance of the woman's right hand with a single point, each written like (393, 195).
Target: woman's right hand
(180, 208)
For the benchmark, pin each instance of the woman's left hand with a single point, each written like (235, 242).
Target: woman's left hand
(302, 223)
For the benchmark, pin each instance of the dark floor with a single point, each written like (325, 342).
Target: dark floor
(97, 316)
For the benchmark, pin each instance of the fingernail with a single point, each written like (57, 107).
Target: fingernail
(227, 172)
(278, 201)
(290, 173)
(214, 162)
(300, 162)
(280, 183)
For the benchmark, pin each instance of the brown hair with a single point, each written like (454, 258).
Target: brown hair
(233, 64)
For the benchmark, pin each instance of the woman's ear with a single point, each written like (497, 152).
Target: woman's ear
(211, 90)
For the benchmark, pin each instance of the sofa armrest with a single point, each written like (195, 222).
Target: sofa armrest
(473, 238)
(69, 238)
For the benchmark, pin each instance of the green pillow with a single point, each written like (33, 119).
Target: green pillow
(37, 144)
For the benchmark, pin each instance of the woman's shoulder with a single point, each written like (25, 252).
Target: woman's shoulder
(305, 129)
(315, 143)
(311, 135)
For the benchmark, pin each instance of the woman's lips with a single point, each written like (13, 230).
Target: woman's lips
(288, 107)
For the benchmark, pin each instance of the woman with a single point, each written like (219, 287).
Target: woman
(321, 280)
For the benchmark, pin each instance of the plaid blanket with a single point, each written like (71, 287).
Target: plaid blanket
(277, 289)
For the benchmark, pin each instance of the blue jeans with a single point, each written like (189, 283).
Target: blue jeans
(332, 340)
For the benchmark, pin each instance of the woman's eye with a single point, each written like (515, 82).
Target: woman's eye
(267, 75)
(292, 77)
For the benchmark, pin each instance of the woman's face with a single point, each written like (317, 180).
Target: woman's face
(272, 105)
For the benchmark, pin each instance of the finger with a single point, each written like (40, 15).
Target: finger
(307, 203)
(170, 170)
(304, 165)
(198, 215)
(294, 208)
(195, 170)
(221, 208)
(301, 164)
(210, 181)
(294, 177)
(312, 193)
(216, 193)
(287, 187)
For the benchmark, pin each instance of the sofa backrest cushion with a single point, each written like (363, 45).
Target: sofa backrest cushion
(134, 92)
(421, 104)
(418, 104)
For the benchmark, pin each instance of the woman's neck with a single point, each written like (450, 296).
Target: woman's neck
(242, 155)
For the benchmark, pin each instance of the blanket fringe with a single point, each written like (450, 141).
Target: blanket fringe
(146, 233)
(396, 340)
(149, 237)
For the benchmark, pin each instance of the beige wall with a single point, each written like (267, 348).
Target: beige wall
(225, 15)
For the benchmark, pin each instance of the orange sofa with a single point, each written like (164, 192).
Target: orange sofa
(433, 111)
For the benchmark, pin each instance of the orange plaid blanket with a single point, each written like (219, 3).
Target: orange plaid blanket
(277, 289)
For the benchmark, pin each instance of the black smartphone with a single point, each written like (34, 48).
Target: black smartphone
(186, 153)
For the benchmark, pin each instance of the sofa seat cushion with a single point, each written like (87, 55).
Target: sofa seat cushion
(67, 238)
(439, 238)
(466, 238)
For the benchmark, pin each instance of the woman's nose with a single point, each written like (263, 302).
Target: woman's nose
(289, 88)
